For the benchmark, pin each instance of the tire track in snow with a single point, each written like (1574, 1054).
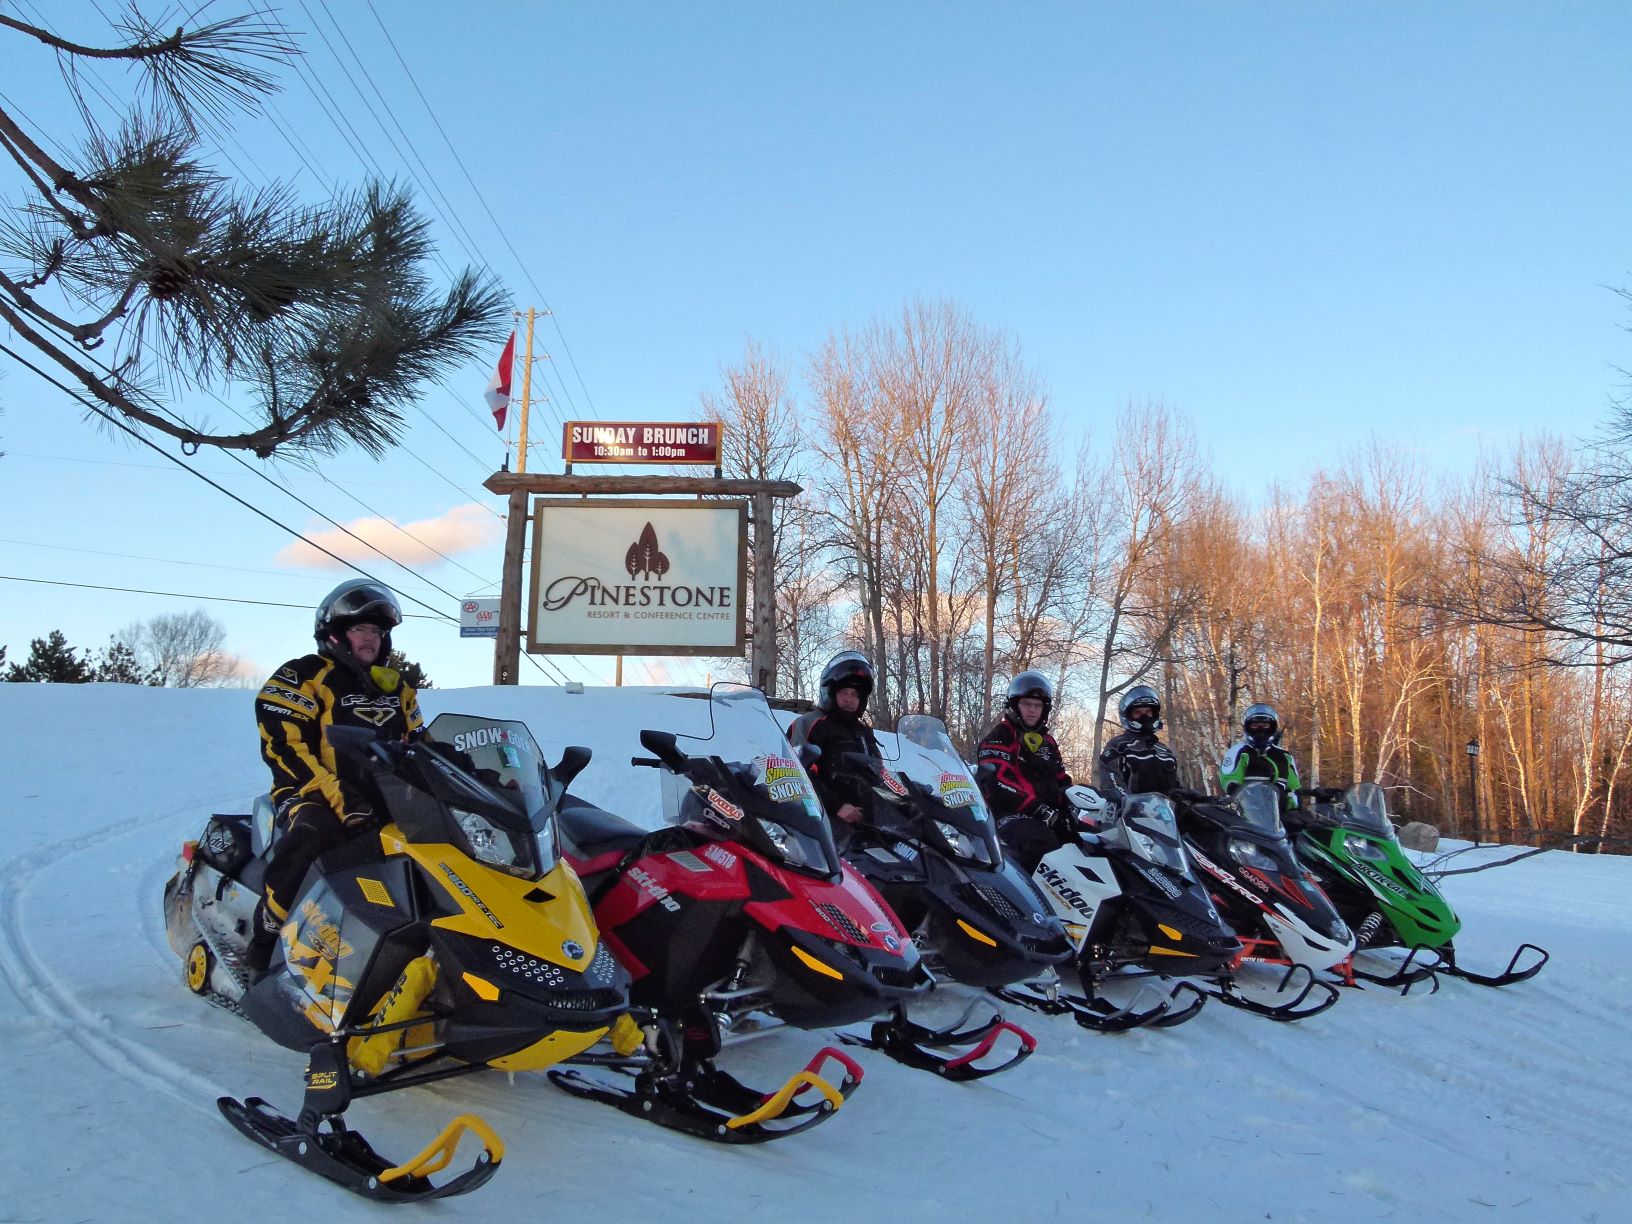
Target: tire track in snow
(50, 995)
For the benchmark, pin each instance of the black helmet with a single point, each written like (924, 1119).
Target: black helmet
(359, 601)
(847, 669)
(1253, 724)
(1030, 684)
(1140, 695)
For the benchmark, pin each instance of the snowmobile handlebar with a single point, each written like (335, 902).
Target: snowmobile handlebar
(646, 762)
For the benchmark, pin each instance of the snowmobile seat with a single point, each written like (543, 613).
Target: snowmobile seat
(594, 831)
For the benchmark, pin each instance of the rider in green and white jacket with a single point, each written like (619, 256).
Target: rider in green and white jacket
(1258, 754)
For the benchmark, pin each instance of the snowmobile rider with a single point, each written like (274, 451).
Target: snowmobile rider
(1258, 754)
(1137, 762)
(347, 684)
(1026, 789)
(837, 726)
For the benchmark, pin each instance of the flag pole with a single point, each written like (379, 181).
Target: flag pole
(526, 391)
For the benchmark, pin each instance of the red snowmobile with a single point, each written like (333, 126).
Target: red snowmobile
(740, 904)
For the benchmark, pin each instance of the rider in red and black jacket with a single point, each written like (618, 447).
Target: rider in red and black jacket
(1026, 789)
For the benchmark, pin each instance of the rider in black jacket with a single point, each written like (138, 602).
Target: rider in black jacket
(1137, 761)
(837, 726)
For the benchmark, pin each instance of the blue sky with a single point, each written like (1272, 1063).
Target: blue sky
(1300, 224)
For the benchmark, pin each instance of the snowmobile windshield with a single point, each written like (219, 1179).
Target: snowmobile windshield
(492, 780)
(1367, 809)
(958, 812)
(1153, 831)
(755, 787)
(1259, 806)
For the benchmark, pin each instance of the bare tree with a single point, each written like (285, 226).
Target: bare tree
(183, 649)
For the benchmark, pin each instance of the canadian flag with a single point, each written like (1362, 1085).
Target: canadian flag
(498, 387)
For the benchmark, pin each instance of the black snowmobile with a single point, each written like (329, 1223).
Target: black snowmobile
(930, 847)
(452, 940)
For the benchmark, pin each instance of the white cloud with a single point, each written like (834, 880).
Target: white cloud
(462, 529)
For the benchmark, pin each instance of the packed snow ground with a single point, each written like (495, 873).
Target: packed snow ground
(1474, 1104)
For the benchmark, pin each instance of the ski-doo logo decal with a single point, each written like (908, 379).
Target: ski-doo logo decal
(720, 804)
(720, 857)
(894, 783)
(289, 697)
(323, 933)
(1160, 880)
(469, 895)
(956, 790)
(572, 949)
(654, 890)
(1222, 876)
(783, 779)
(481, 738)
(1061, 888)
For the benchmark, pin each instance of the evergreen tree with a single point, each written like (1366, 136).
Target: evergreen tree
(319, 318)
(118, 664)
(51, 660)
(412, 673)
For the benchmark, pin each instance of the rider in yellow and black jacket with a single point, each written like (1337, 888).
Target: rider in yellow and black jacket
(344, 684)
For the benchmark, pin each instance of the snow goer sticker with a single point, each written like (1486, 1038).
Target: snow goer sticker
(957, 791)
(783, 778)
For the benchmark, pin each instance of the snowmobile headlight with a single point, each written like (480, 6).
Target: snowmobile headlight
(488, 843)
(793, 850)
(1251, 854)
(1364, 847)
(964, 846)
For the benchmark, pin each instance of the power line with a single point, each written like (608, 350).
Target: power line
(122, 426)
(481, 199)
(264, 603)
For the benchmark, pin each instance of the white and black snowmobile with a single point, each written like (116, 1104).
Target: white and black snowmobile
(930, 847)
(452, 939)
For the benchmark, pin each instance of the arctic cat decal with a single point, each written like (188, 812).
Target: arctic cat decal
(1381, 880)
(469, 895)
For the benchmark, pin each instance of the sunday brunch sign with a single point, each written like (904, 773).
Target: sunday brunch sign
(641, 442)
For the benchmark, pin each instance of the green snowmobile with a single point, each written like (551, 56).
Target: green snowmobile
(1347, 842)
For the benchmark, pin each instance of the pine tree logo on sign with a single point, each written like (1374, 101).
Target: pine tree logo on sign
(644, 558)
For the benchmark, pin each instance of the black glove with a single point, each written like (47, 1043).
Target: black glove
(1060, 823)
(1186, 795)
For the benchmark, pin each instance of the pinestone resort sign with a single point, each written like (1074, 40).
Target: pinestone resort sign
(638, 577)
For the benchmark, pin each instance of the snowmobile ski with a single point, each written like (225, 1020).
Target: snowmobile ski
(706, 1102)
(1228, 993)
(1507, 977)
(1101, 1015)
(916, 1045)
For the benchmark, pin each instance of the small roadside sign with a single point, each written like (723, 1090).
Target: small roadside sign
(479, 618)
